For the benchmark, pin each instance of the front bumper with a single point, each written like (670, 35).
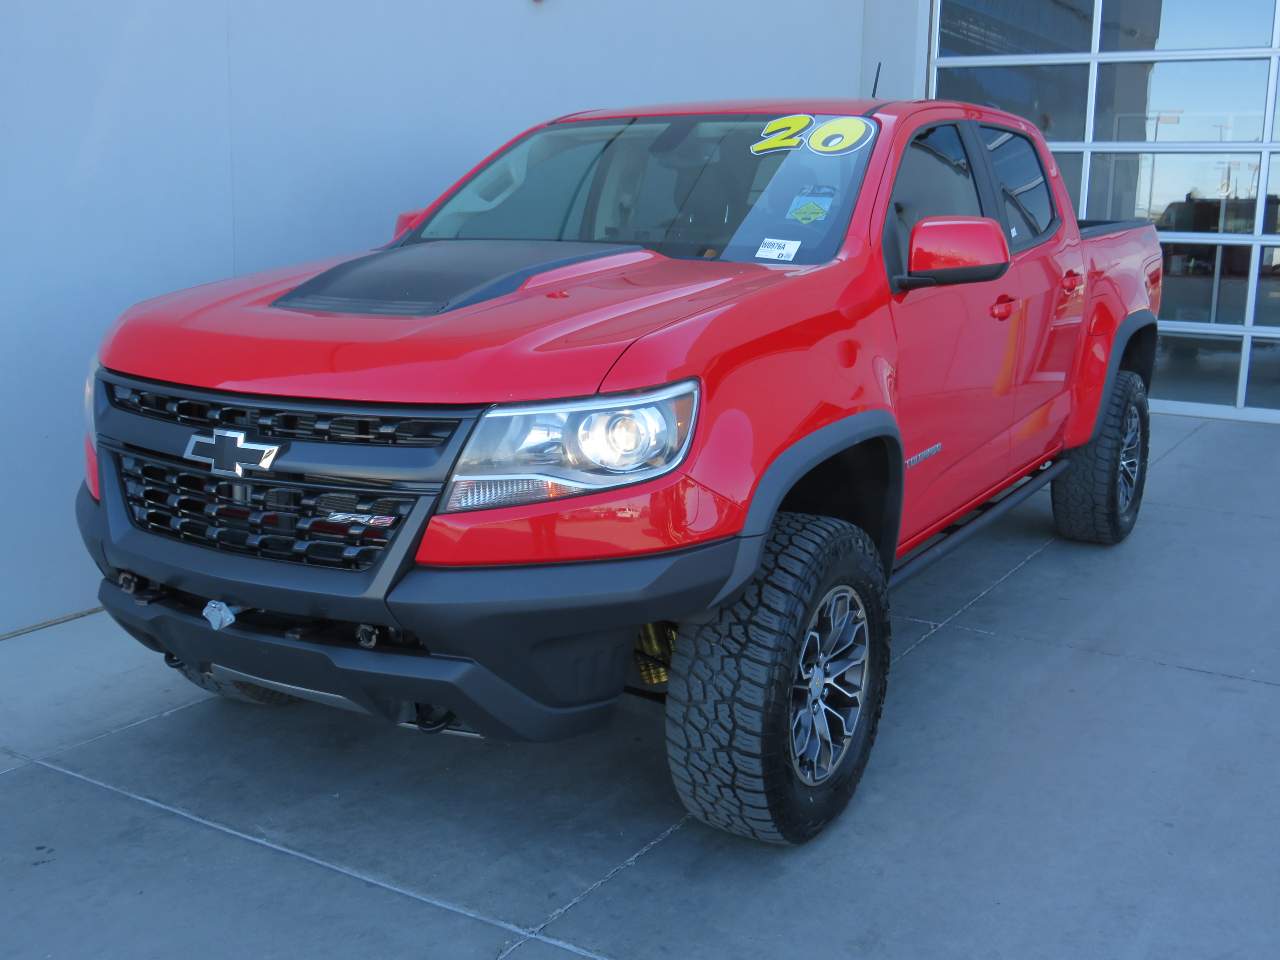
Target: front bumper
(530, 652)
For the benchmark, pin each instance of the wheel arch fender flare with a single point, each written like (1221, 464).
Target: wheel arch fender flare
(797, 460)
(1128, 328)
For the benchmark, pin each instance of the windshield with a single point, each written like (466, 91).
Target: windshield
(743, 188)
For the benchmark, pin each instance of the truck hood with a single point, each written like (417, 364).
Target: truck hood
(449, 321)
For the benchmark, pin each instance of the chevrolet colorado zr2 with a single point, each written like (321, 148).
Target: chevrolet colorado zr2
(661, 399)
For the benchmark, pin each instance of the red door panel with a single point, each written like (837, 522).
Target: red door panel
(1050, 284)
(955, 379)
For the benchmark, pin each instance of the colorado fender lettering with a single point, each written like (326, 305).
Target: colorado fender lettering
(923, 455)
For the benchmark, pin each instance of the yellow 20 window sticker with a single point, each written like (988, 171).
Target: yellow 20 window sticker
(831, 138)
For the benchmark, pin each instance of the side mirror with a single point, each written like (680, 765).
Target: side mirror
(945, 250)
(404, 220)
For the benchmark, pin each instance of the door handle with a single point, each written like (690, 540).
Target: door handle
(1002, 309)
(1072, 281)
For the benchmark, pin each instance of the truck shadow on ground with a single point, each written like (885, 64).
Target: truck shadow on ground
(516, 829)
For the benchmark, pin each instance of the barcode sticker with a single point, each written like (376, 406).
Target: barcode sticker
(778, 249)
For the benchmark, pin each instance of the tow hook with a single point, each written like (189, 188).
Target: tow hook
(219, 614)
(367, 635)
(139, 588)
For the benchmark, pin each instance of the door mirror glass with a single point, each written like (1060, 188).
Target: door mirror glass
(946, 250)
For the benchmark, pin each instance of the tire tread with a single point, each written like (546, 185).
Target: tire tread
(1084, 504)
(722, 679)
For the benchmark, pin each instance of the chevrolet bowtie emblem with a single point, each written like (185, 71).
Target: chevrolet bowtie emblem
(228, 453)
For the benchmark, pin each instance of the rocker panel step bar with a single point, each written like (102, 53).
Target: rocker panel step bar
(976, 521)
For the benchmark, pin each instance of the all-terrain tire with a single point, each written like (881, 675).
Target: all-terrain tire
(1088, 502)
(231, 689)
(729, 701)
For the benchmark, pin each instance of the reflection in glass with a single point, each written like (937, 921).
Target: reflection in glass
(968, 27)
(1204, 283)
(1189, 101)
(1271, 210)
(1263, 389)
(1070, 166)
(1185, 24)
(1204, 193)
(1197, 369)
(1052, 97)
(1266, 308)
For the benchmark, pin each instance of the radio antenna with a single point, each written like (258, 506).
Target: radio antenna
(875, 84)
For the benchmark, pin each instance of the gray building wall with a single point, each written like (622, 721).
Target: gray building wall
(151, 145)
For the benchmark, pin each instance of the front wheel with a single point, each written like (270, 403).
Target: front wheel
(773, 705)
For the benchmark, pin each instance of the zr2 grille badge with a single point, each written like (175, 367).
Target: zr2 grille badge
(368, 519)
(227, 452)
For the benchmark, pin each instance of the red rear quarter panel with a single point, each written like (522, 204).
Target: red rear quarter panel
(1123, 278)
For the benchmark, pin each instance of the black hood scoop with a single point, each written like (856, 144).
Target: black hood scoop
(420, 279)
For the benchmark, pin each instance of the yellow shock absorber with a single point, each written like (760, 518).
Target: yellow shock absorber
(653, 652)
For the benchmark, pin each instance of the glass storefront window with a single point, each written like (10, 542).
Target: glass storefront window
(1052, 96)
(1266, 307)
(1197, 369)
(1271, 209)
(1263, 389)
(1188, 192)
(1208, 100)
(1177, 133)
(1204, 284)
(1185, 24)
(1071, 167)
(969, 27)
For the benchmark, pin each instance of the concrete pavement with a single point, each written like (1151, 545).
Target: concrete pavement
(1078, 759)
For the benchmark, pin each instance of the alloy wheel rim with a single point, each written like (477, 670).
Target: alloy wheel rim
(829, 686)
(1130, 459)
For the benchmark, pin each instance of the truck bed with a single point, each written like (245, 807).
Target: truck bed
(1099, 228)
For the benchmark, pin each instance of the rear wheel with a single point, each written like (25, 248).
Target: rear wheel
(1098, 497)
(773, 705)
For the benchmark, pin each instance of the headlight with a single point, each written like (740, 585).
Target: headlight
(90, 424)
(530, 453)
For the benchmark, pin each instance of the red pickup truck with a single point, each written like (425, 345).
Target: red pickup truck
(661, 399)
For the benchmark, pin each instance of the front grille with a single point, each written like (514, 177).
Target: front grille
(275, 518)
(284, 421)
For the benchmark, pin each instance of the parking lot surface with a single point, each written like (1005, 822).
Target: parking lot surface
(1078, 759)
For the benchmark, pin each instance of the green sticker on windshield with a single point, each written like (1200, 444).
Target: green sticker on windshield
(811, 204)
(806, 211)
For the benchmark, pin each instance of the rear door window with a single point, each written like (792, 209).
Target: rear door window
(1022, 186)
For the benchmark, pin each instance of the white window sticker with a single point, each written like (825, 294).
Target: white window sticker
(778, 249)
